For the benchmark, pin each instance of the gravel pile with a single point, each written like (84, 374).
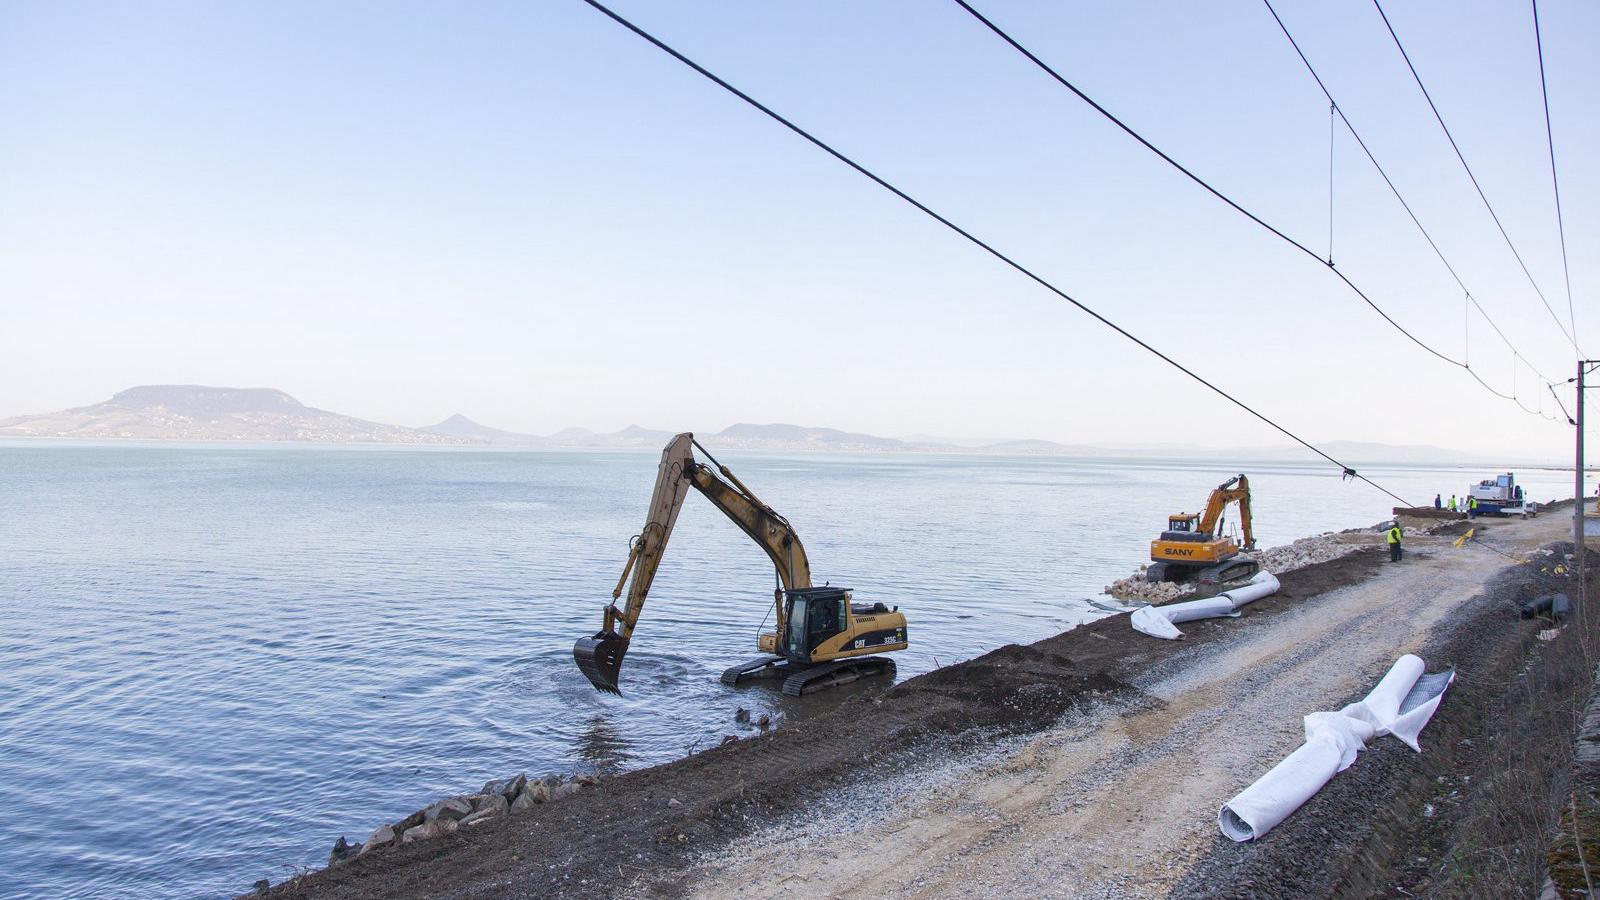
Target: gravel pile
(1309, 551)
(1135, 589)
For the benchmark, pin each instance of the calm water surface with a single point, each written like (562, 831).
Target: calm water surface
(214, 661)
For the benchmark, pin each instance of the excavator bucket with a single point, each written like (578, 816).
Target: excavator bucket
(599, 658)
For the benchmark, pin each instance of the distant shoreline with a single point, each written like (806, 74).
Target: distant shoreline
(1202, 456)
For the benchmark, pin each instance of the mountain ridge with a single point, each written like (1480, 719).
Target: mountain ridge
(208, 413)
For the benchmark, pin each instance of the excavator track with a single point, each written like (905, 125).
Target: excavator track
(760, 668)
(1235, 569)
(833, 674)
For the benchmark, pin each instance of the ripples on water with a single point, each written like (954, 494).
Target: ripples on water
(217, 660)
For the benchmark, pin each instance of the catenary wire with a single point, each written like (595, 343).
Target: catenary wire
(991, 250)
(1198, 180)
(1393, 189)
(1572, 338)
(1327, 263)
(1555, 182)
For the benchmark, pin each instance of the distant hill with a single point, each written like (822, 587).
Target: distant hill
(463, 428)
(799, 437)
(630, 437)
(195, 412)
(200, 413)
(1031, 446)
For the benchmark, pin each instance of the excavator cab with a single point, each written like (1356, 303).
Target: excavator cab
(811, 617)
(1180, 525)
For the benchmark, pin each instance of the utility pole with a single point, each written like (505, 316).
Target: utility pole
(1578, 497)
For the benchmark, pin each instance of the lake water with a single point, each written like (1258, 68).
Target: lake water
(215, 660)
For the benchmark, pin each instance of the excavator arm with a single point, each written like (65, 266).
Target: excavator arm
(1235, 489)
(600, 657)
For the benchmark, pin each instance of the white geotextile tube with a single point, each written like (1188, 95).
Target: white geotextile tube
(1264, 584)
(1158, 621)
(1401, 704)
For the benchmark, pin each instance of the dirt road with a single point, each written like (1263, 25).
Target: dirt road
(1120, 799)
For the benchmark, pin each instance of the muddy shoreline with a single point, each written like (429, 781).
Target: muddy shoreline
(627, 834)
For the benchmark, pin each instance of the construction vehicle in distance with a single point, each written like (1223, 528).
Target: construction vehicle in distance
(822, 638)
(1501, 496)
(1193, 547)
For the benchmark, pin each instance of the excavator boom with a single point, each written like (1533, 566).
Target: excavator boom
(1234, 490)
(600, 657)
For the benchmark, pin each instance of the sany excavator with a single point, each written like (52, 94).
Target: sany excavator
(822, 638)
(1192, 546)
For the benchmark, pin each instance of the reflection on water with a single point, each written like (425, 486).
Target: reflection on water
(249, 651)
(603, 747)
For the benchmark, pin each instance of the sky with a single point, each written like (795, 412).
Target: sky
(525, 214)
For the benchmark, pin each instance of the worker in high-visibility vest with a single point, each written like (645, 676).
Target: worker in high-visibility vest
(1472, 507)
(1453, 503)
(1394, 542)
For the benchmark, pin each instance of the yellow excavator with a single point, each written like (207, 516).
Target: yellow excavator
(1193, 547)
(822, 637)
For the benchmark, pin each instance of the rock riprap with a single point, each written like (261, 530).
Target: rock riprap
(494, 801)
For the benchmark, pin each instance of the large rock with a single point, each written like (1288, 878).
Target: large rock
(421, 832)
(490, 802)
(514, 787)
(453, 809)
(535, 792)
(411, 821)
(342, 850)
(493, 787)
(384, 835)
(565, 790)
(488, 813)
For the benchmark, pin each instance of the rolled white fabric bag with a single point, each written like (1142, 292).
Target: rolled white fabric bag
(1157, 621)
(1381, 706)
(1404, 700)
(1280, 792)
(1332, 742)
(1263, 584)
(1401, 704)
(1418, 706)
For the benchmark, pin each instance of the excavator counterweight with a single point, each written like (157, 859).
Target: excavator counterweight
(821, 639)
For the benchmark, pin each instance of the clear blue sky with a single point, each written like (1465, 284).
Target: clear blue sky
(521, 212)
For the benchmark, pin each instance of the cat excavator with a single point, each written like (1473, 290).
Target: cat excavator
(1191, 547)
(822, 639)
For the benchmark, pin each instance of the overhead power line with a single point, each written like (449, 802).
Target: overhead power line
(990, 249)
(1555, 182)
(1169, 160)
(1393, 188)
(1572, 338)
